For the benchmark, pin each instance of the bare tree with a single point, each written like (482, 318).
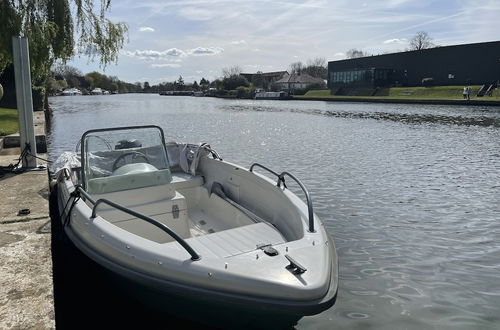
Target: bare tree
(296, 67)
(317, 67)
(421, 40)
(317, 61)
(355, 53)
(231, 72)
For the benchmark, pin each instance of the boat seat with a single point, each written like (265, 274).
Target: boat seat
(116, 183)
(157, 202)
(181, 180)
(234, 241)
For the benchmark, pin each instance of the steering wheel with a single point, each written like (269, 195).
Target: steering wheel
(134, 154)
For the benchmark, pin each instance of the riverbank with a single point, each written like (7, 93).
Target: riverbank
(8, 121)
(26, 289)
(446, 95)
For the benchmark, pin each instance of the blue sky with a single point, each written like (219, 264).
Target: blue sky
(198, 38)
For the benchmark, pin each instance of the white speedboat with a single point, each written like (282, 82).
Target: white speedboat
(71, 92)
(178, 222)
(97, 91)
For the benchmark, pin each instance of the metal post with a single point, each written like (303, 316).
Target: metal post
(24, 99)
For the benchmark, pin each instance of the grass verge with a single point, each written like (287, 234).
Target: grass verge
(8, 121)
(408, 93)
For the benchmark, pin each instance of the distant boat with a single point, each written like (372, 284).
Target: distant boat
(177, 93)
(271, 96)
(71, 92)
(96, 91)
(199, 93)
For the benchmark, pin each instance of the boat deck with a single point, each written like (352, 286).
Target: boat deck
(231, 242)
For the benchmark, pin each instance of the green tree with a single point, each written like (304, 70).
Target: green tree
(89, 82)
(51, 26)
(204, 84)
(179, 84)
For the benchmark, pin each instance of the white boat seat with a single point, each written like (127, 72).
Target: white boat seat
(234, 241)
(115, 183)
(156, 202)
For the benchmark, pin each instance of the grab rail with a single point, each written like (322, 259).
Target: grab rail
(267, 169)
(281, 178)
(194, 256)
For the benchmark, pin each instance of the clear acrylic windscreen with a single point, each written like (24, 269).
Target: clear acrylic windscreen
(106, 150)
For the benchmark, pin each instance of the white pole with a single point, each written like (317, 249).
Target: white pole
(24, 100)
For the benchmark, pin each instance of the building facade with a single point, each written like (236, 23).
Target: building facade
(469, 64)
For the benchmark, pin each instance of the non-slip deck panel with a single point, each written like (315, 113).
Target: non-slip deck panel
(234, 241)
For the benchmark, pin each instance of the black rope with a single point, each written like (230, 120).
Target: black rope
(281, 178)
(45, 160)
(75, 194)
(14, 168)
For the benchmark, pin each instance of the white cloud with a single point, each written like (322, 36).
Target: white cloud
(146, 29)
(396, 41)
(155, 54)
(172, 55)
(204, 51)
(174, 52)
(165, 65)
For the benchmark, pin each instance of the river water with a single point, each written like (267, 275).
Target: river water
(410, 193)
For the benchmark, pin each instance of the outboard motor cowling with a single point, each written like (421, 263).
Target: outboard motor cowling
(127, 144)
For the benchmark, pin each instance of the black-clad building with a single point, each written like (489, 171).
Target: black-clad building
(469, 64)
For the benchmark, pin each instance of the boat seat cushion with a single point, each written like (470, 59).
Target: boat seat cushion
(128, 181)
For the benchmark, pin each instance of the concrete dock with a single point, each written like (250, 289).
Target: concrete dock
(26, 287)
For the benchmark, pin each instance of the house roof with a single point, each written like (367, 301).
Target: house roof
(266, 74)
(300, 78)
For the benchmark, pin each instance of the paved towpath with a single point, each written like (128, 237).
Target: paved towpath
(26, 289)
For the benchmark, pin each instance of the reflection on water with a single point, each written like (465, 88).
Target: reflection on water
(410, 193)
(412, 118)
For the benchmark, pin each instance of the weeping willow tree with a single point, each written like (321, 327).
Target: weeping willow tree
(57, 30)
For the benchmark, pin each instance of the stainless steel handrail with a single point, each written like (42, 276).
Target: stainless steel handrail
(281, 178)
(194, 256)
(265, 168)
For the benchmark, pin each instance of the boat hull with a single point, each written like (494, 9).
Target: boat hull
(210, 307)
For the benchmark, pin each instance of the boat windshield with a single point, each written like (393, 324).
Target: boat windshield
(136, 152)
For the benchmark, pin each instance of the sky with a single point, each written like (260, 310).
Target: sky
(199, 38)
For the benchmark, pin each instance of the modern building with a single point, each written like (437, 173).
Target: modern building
(469, 64)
